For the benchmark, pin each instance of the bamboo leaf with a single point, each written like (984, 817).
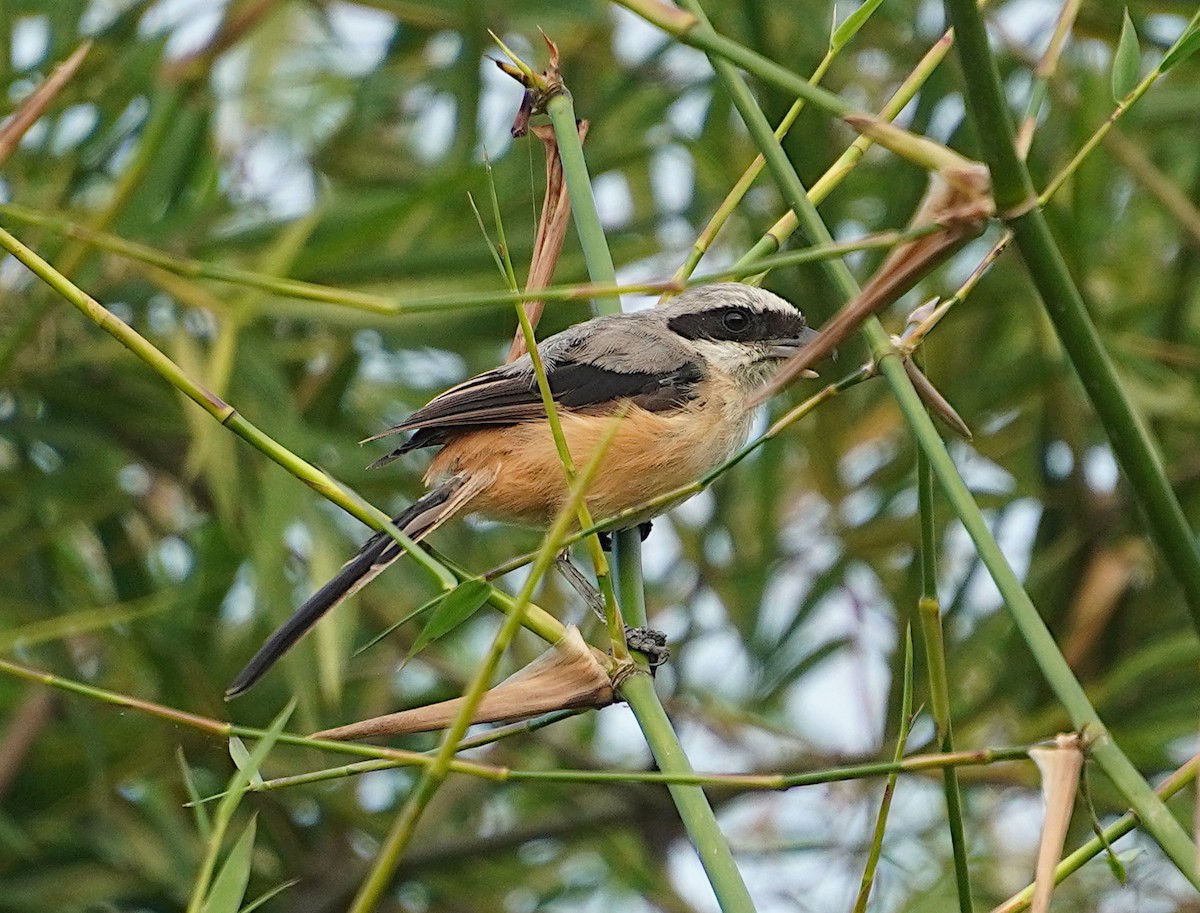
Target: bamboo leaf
(456, 607)
(240, 755)
(203, 823)
(1126, 60)
(267, 895)
(419, 610)
(247, 769)
(76, 623)
(1184, 48)
(845, 32)
(229, 887)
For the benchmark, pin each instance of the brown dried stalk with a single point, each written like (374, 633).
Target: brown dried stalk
(551, 231)
(568, 676)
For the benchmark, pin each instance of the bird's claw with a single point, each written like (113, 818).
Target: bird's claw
(650, 643)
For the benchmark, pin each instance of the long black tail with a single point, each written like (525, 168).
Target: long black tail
(425, 515)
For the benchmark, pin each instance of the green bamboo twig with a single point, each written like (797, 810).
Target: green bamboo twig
(885, 804)
(384, 305)
(638, 689)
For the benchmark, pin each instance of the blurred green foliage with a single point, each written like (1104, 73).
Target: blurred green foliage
(145, 550)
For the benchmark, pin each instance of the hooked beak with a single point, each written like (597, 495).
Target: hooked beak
(783, 349)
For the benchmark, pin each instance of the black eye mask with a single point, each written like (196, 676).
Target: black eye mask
(739, 324)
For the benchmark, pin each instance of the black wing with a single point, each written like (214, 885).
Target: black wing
(506, 397)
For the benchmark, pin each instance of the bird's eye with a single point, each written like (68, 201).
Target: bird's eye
(736, 321)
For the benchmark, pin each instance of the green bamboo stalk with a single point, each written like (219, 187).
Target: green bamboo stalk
(930, 611)
(638, 688)
(739, 190)
(397, 840)
(693, 806)
(685, 27)
(601, 271)
(539, 621)
(627, 553)
(848, 160)
(1017, 204)
(1158, 820)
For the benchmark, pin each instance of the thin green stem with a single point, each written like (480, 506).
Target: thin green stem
(1158, 820)
(930, 612)
(1017, 203)
(280, 287)
(1045, 72)
(885, 805)
(698, 34)
(1122, 106)
(394, 757)
(734, 198)
(744, 782)
(848, 160)
(224, 730)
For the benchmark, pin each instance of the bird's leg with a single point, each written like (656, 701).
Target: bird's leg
(650, 643)
(579, 583)
(606, 541)
(647, 641)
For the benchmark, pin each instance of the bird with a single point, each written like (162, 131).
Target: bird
(680, 377)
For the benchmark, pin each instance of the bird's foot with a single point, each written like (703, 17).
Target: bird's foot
(650, 643)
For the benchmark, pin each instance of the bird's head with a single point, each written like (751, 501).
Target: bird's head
(741, 331)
